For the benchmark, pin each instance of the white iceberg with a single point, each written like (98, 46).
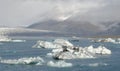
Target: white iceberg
(117, 41)
(46, 44)
(28, 61)
(98, 50)
(69, 55)
(4, 39)
(7, 39)
(111, 40)
(79, 52)
(58, 43)
(63, 42)
(59, 64)
(63, 49)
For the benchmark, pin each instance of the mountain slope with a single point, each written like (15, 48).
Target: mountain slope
(68, 27)
(26, 32)
(113, 30)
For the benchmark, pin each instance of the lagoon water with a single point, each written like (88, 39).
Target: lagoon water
(17, 50)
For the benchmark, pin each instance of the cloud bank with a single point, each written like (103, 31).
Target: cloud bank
(25, 12)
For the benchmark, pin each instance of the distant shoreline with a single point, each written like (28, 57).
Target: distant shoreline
(106, 36)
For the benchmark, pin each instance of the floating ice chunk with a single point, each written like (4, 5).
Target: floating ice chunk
(58, 43)
(5, 39)
(110, 40)
(97, 64)
(46, 44)
(63, 42)
(105, 40)
(98, 50)
(29, 61)
(79, 52)
(90, 49)
(117, 41)
(49, 54)
(72, 55)
(57, 50)
(59, 64)
(102, 50)
(18, 40)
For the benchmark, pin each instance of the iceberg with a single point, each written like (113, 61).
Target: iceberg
(98, 50)
(73, 55)
(111, 40)
(79, 52)
(46, 44)
(59, 64)
(26, 61)
(63, 49)
(58, 43)
(63, 42)
(118, 41)
(7, 39)
(4, 39)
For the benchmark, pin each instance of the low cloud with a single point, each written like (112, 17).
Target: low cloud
(26, 12)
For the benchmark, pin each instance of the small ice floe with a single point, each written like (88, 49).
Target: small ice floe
(97, 64)
(18, 40)
(58, 43)
(59, 64)
(26, 61)
(5, 39)
(111, 40)
(118, 41)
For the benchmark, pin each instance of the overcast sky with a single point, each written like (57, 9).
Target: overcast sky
(25, 12)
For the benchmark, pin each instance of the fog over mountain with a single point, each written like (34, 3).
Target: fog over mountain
(16, 13)
(68, 26)
(112, 30)
(81, 17)
(80, 28)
